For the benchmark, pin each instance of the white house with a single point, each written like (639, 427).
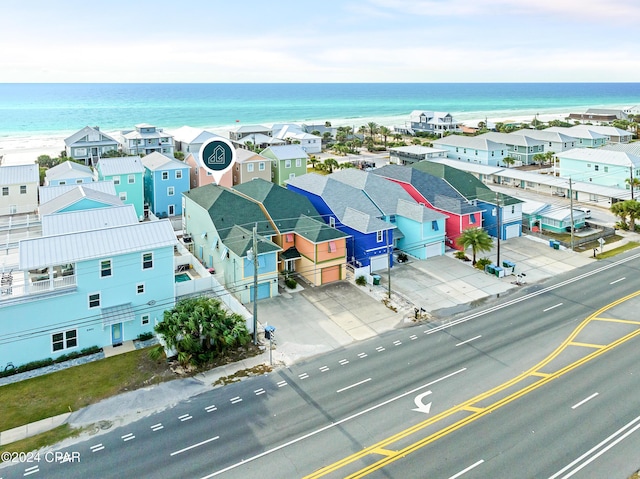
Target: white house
(89, 144)
(68, 173)
(599, 166)
(294, 134)
(146, 139)
(19, 189)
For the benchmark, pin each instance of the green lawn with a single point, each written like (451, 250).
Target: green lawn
(72, 389)
(618, 250)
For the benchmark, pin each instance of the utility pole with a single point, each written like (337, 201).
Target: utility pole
(631, 182)
(499, 230)
(255, 284)
(389, 259)
(571, 207)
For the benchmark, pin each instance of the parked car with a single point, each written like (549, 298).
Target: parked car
(586, 211)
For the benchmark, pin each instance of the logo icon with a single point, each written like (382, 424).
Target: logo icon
(218, 156)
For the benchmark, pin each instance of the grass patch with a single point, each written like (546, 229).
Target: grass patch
(74, 388)
(48, 438)
(618, 250)
(596, 243)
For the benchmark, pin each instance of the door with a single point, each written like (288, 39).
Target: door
(379, 262)
(512, 231)
(264, 291)
(330, 274)
(172, 210)
(116, 334)
(433, 249)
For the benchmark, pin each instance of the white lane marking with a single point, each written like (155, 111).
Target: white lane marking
(97, 447)
(31, 470)
(211, 408)
(469, 340)
(397, 343)
(413, 337)
(343, 362)
(235, 400)
(332, 425)
(185, 417)
(195, 445)
(618, 280)
(380, 349)
(127, 437)
(464, 471)
(595, 456)
(531, 295)
(282, 383)
(362, 355)
(259, 391)
(354, 385)
(552, 307)
(575, 406)
(303, 376)
(323, 369)
(157, 427)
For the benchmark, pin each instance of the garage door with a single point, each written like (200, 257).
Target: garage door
(264, 291)
(332, 273)
(433, 249)
(512, 231)
(379, 262)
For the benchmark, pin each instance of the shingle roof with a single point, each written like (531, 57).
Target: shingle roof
(157, 161)
(123, 165)
(76, 194)
(71, 248)
(19, 174)
(48, 193)
(85, 220)
(417, 212)
(68, 169)
(240, 241)
(434, 189)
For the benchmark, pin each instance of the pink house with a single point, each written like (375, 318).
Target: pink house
(199, 176)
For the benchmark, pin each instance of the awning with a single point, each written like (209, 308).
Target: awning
(117, 314)
(291, 253)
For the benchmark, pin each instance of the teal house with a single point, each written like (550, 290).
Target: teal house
(220, 223)
(287, 162)
(83, 287)
(127, 174)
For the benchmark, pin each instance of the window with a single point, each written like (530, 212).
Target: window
(170, 191)
(165, 175)
(78, 182)
(62, 183)
(392, 218)
(144, 319)
(606, 169)
(116, 180)
(287, 163)
(379, 236)
(261, 166)
(123, 195)
(250, 167)
(513, 209)
(5, 191)
(434, 226)
(23, 189)
(65, 340)
(105, 268)
(472, 219)
(289, 237)
(140, 288)
(332, 247)
(178, 174)
(332, 221)
(596, 167)
(94, 300)
(147, 260)
(298, 162)
(131, 179)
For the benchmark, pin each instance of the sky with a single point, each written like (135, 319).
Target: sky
(320, 41)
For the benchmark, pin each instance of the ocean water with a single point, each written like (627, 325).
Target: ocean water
(59, 109)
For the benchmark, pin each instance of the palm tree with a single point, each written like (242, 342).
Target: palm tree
(330, 164)
(508, 160)
(385, 132)
(539, 158)
(373, 129)
(477, 239)
(633, 184)
(621, 210)
(549, 155)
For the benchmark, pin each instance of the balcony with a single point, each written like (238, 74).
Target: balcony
(20, 284)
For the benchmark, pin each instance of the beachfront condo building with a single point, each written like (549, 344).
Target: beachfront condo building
(89, 145)
(146, 139)
(434, 122)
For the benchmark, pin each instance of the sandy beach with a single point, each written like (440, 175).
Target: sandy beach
(25, 150)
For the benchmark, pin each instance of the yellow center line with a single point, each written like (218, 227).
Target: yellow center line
(587, 345)
(614, 320)
(469, 405)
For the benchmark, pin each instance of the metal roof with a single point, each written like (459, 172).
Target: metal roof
(85, 220)
(75, 195)
(475, 142)
(509, 139)
(189, 134)
(93, 135)
(48, 193)
(123, 165)
(19, 174)
(287, 152)
(68, 169)
(417, 150)
(599, 155)
(86, 245)
(544, 135)
(117, 314)
(577, 133)
(157, 161)
(247, 156)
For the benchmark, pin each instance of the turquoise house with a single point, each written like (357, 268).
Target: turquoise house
(220, 223)
(165, 179)
(423, 230)
(127, 175)
(77, 198)
(75, 290)
(600, 166)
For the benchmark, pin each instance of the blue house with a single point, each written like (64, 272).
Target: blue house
(98, 287)
(68, 173)
(420, 231)
(220, 222)
(165, 179)
(350, 210)
(126, 173)
(78, 198)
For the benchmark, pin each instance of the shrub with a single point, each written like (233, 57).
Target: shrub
(461, 255)
(482, 262)
(403, 258)
(290, 283)
(361, 281)
(145, 336)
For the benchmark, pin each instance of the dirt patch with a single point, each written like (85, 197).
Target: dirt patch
(258, 370)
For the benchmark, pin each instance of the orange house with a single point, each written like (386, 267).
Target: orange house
(200, 176)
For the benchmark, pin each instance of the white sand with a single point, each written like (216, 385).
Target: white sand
(25, 150)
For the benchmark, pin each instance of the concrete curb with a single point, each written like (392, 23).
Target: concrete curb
(28, 430)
